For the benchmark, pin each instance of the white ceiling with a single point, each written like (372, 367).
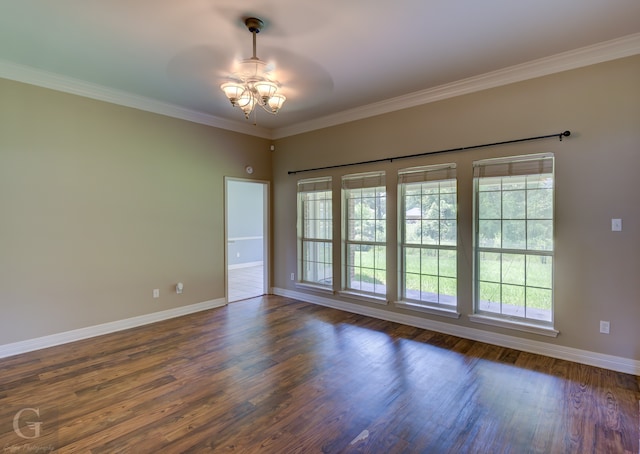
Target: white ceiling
(332, 56)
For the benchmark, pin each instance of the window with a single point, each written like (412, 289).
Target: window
(365, 219)
(428, 235)
(315, 232)
(514, 238)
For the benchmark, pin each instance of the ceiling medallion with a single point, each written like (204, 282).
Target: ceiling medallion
(250, 84)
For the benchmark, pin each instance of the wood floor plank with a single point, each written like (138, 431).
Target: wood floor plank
(276, 375)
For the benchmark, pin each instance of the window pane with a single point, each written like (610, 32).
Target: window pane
(411, 202)
(513, 205)
(540, 204)
(412, 260)
(353, 278)
(539, 304)
(430, 232)
(380, 258)
(448, 233)
(412, 286)
(513, 269)
(430, 207)
(539, 271)
(489, 205)
(317, 262)
(540, 235)
(513, 300)
(513, 235)
(447, 263)
(489, 234)
(430, 261)
(381, 231)
(325, 230)
(490, 266)
(412, 233)
(380, 281)
(429, 288)
(353, 255)
(489, 298)
(448, 290)
(448, 206)
(368, 231)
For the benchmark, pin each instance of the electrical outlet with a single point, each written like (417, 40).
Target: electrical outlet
(293, 276)
(156, 293)
(604, 327)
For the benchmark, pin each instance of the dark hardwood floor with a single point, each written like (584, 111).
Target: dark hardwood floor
(276, 375)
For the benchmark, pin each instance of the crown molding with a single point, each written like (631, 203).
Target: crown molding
(53, 81)
(577, 58)
(609, 50)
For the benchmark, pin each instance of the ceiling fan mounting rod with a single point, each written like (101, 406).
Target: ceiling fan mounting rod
(254, 25)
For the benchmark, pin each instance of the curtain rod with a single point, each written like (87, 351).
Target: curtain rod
(472, 147)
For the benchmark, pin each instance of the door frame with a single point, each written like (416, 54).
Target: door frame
(266, 223)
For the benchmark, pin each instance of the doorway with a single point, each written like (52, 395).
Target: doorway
(246, 238)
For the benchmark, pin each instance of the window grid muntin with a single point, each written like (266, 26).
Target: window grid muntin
(316, 237)
(355, 241)
(428, 189)
(498, 182)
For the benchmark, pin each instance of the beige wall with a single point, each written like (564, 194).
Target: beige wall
(100, 204)
(597, 273)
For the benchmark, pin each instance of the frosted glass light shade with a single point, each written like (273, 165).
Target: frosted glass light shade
(266, 89)
(232, 91)
(276, 102)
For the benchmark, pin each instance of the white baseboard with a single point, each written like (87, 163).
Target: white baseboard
(52, 340)
(616, 363)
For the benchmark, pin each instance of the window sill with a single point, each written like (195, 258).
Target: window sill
(363, 297)
(510, 324)
(313, 287)
(451, 313)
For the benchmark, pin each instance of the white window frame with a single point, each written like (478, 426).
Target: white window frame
(312, 243)
(509, 176)
(442, 179)
(352, 187)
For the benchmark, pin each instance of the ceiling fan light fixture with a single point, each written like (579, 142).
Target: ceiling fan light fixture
(251, 85)
(266, 90)
(276, 101)
(247, 102)
(233, 92)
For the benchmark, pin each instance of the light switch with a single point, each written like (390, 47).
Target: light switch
(616, 225)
